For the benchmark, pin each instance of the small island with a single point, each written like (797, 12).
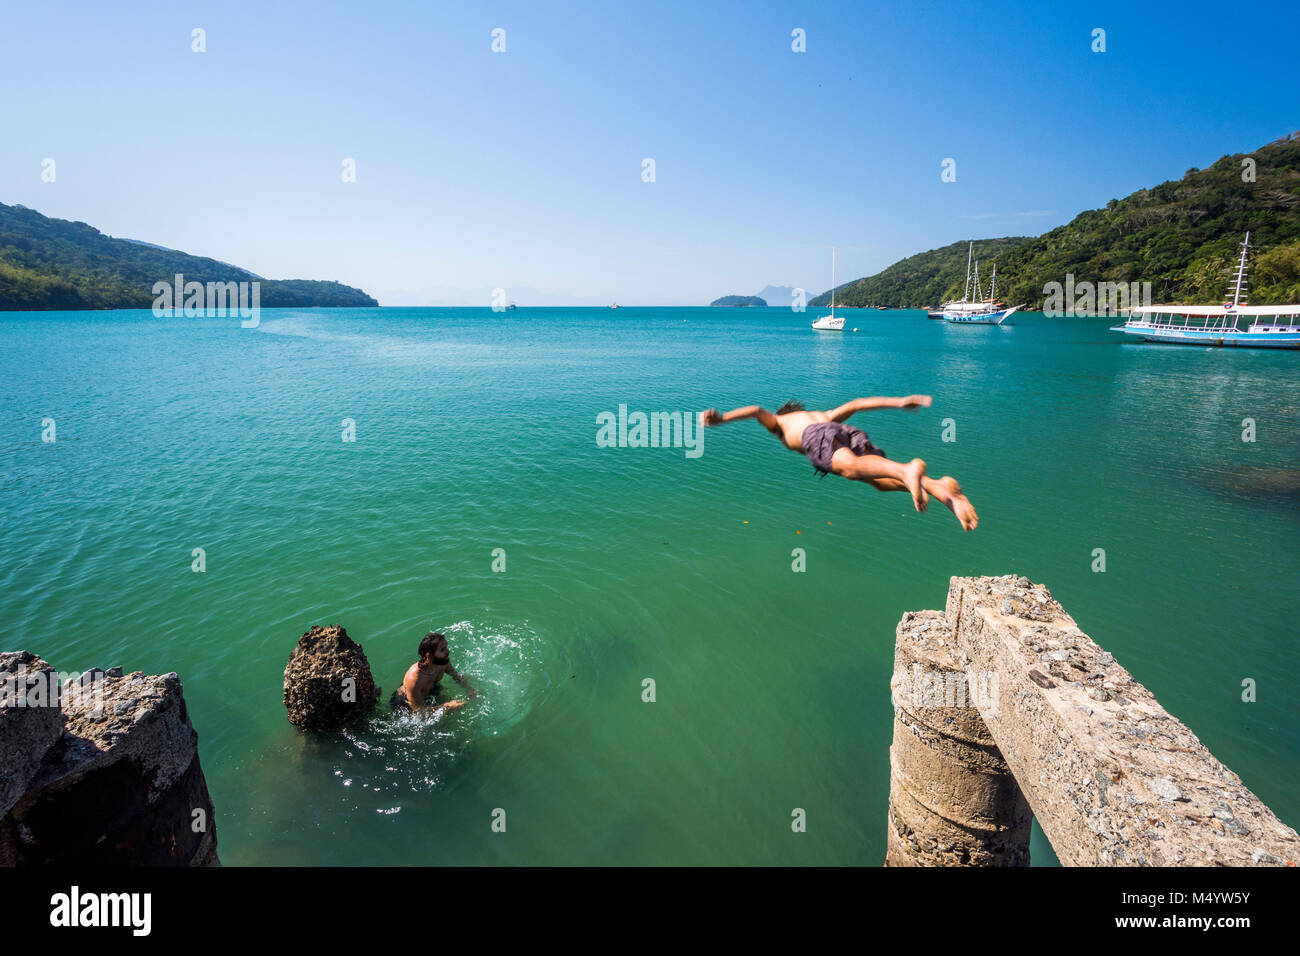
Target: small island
(739, 300)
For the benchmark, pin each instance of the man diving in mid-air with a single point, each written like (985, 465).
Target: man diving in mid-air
(832, 446)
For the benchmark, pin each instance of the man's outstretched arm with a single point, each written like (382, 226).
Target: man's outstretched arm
(765, 418)
(460, 679)
(910, 402)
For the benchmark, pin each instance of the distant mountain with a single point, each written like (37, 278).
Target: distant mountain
(57, 264)
(779, 295)
(1181, 236)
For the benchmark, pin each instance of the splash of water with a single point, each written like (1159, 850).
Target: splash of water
(415, 752)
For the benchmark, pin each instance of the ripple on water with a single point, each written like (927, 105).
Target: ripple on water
(399, 753)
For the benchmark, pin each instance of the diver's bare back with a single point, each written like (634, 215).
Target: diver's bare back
(792, 425)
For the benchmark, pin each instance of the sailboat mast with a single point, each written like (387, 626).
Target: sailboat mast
(993, 293)
(970, 251)
(832, 280)
(1241, 272)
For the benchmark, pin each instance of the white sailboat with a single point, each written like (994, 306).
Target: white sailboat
(832, 322)
(1233, 323)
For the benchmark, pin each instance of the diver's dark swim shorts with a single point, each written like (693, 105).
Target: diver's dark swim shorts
(821, 440)
(399, 702)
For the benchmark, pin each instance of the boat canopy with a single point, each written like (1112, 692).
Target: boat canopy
(1208, 310)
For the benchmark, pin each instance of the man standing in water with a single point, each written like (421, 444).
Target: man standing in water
(832, 446)
(422, 677)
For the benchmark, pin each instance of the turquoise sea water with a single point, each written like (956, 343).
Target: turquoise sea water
(476, 431)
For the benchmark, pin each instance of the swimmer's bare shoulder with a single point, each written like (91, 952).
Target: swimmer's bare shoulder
(411, 685)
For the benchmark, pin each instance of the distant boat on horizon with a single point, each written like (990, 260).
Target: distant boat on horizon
(1271, 326)
(832, 322)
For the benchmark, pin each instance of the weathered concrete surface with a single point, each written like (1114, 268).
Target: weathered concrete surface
(1112, 777)
(952, 799)
(30, 721)
(122, 785)
(327, 682)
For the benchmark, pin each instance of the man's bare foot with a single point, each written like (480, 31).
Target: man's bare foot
(949, 492)
(913, 472)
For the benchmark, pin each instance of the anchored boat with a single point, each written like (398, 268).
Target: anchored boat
(1231, 324)
(978, 311)
(832, 322)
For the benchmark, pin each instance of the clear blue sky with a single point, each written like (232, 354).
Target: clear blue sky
(522, 170)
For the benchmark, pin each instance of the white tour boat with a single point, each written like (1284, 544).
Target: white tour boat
(1230, 324)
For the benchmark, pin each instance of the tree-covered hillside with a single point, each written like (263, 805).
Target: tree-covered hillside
(56, 264)
(1182, 236)
(925, 279)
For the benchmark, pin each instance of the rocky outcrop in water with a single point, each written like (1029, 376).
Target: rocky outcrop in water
(327, 682)
(28, 728)
(99, 770)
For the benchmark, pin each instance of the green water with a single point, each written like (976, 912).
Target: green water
(476, 431)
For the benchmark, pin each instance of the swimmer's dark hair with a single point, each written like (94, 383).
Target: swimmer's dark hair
(791, 406)
(431, 643)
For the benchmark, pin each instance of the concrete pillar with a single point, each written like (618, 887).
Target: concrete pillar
(1114, 779)
(952, 799)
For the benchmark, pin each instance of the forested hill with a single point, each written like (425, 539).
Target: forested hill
(56, 264)
(1182, 236)
(925, 279)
